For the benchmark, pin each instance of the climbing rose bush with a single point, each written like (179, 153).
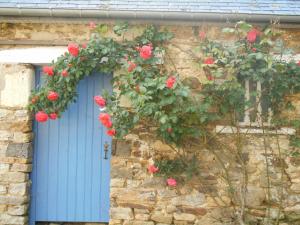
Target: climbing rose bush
(160, 101)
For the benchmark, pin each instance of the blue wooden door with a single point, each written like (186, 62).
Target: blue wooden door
(70, 177)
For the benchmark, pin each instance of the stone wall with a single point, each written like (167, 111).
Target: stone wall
(138, 198)
(16, 81)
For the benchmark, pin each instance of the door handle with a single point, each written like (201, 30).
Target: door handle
(106, 146)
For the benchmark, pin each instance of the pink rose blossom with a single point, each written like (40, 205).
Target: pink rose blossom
(73, 49)
(202, 35)
(252, 35)
(170, 82)
(145, 51)
(209, 61)
(152, 169)
(92, 25)
(171, 182)
(131, 66)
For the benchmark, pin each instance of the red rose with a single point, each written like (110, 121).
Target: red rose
(152, 169)
(252, 35)
(298, 63)
(107, 123)
(209, 61)
(210, 77)
(52, 96)
(170, 130)
(131, 66)
(100, 101)
(34, 99)
(171, 182)
(253, 49)
(64, 73)
(84, 45)
(92, 25)
(202, 35)
(170, 82)
(73, 49)
(111, 132)
(103, 117)
(41, 116)
(145, 51)
(53, 116)
(48, 70)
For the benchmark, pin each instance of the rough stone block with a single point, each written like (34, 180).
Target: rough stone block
(5, 114)
(18, 210)
(136, 198)
(115, 222)
(19, 167)
(13, 177)
(5, 135)
(141, 211)
(13, 200)
(295, 187)
(16, 220)
(184, 217)
(139, 222)
(121, 148)
(143, 217)
(178, 222)
(3, 189)
(119, 171)
(3, 208)
(18, 189)
(22, 115)
(293, 209)
(20, 150)
(16, 126)
(162, 218)
(195, 199)
(20, 137)
(254, 196)
(171, 209)
(120, 213)
(4, 167)
(117, 182)
(165, 194)
(16, 82)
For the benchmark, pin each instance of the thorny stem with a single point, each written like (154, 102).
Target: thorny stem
(282, 181)
(267, 171)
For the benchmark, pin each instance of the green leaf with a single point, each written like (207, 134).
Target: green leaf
(244, 26)
(102, 28)
(228, 30)
(163, 119)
